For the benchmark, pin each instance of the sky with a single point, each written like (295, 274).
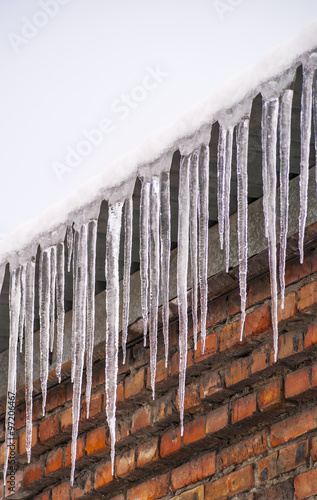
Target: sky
(84, 82)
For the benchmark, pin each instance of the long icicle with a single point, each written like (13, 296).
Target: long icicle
(221, 160)
(270, 136)
(52, 297)
(227, 189)
(144, 251)
(69, 243)
(29, 334)
(2, 273)
(203, 237)
(305, 131)
(193, 232)
(154, 272)
(242, 195)
(264, 168)
(80, 338)
(22, 306)
(44, 301)
(60, 292)
(112, 320)
(182, 268)
(128, 233)
(315, 124)
(165, 222)
(14, 305)
(90, 333)
(285, 115)
(75, 301)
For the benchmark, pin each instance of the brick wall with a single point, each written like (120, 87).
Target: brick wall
(250, 424)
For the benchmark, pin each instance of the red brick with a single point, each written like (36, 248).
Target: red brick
(32, 473)
(134, 385)
(243, 408)
(234, 303)
(50, 430)
(194, 471)
(54, 461)
(236, 372)
(217, 311)
(95, 410)
(258, 322)
(125, 463)
(210, 349)
(175, 362)
(171, 442)
(192, 397)
(294, 426)
(290, 310)
(148, 453)
(271, 395)
(306, 485)
(67, 420)
(140, 420)
(217, 419)
(310, 339)
(151, 489)
(192, 494)
(80, 452)
(286, 459)
(211, 386)
(228, 486)
(295, 270)
(97, 442)
(194, 430)
(34, 445)
(258, 290)
(260, 359)
(314, 448)
(56, 397)
(61, 492)
(290, 344)
(282, 491)
(314, 375)
(230, 338)
(297, 383)
(307, 298)
(103, 477)
(20, 417)
(239, 452)
(42, 496)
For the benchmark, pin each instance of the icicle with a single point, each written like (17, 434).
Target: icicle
(242, 195)
(203, 237)
(112, 320)
(29, 333)
(221, 161)
(128, 229)
(144, 251)
(154, 272)
(2, 273)
(60, 291)
(80, 337)
(182, 268)
(315, 125)
(14, 307)
(44, 306)
(92, 241)
(165, 222)
(74, 314)
(264, 167)
(69, 243)
(285, 147)
(270, 137)
(22, 307)
(193, 213)
(227, 189)
(305, 131)
(52, 297)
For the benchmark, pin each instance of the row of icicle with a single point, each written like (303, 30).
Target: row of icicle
(155, 242)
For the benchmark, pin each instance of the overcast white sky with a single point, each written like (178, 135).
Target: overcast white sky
(123, 69)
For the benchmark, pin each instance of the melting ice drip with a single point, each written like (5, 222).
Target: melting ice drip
(155, 242)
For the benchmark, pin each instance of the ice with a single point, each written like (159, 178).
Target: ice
(227, 189)
(221, 160)
(165, 222)
(74, 314)
(315, 127)
(264, 167)
(182, 268)
(80, 336)
(154, 272)
(69, 243)
(128, 233)
(2, 273)
(144, 250)
(285, 115)
(90, 328)
(203, 237)
(52, 297)
(112, 320)
(22, 307)
(44, 309)
(14, 303)
(193, 233)
(29, 331)
(60, 292)
(269, 135)
(242, 196)
(305, 131)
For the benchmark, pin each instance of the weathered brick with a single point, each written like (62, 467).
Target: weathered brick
(32, 473)
(294, 426)
(67, 420)
(210, 349)
(193, 471)
(290, 344)
(212, 388)
(297, 383)
(35, 446)
(310, 338)
(228, 486)
(194, 430)
(103, 477)
(175, 362)
(217, 311)
(95, 409)
(56, 397)
(230, 337)
(98, 375)
(148, 453)
(260, 359)
(192, 397)
(289, 312)
(241, 451)
(306, 485)
(193, 494)
(50, 432)
(258, 322)
(236, 372)
(140, 420)
(294, 270)
(96, 442)
(162, 378)
(54, 461)
(134, 385)
(271, 395)
(125, 463)
(61, 492)
(217, 419)
(171, 443)
(243, 408)
(286, 459)
(141, 355)
(80, 452)
(151, 489)
(282, 491)
(307, 298)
